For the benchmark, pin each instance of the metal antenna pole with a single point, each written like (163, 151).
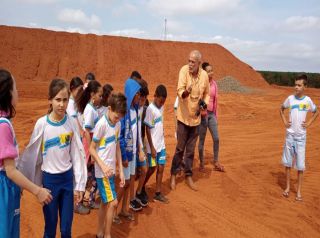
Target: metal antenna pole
(165, 29)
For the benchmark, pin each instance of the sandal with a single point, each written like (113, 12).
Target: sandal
(86, 202)
(285, 194)
(218, 167)
(299, 198)
(116, 220)
(128, 216)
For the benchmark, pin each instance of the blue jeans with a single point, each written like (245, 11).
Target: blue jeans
(61, 186)
(210, 121)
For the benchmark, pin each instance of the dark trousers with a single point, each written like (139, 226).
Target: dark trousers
(61, 186)
(186, 142)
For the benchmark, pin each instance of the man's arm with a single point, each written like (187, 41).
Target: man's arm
(182, 90)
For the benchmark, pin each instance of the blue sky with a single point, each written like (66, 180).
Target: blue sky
(279, 35)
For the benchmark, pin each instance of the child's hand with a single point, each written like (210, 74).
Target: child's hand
(44, 196)
(203, 112)
(107, 171)
(125, 163)
(288, 124)
(79, 196)
(122, 180)
(153, 152)
(305, 125)
(142, 156)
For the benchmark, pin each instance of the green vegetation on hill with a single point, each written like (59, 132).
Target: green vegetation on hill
(288, 78)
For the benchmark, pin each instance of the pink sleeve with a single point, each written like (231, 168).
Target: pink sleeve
(7, 147)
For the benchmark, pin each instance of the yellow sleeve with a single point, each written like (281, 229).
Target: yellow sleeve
(182, 83)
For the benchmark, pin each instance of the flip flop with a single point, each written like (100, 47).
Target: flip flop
(299, 198)
(285, 194)
(128, 216)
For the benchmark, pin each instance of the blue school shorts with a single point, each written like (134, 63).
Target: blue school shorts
(107, 189)
(159, 160)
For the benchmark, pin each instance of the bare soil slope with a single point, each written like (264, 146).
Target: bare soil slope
(245, 201)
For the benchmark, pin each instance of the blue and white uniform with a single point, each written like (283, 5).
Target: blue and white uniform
(131, 169)
(56, 148)
(107, 136)
(102, 111)
(140, 140)
(90, 117)
(295, 143)
(154, 120)
(71, 109)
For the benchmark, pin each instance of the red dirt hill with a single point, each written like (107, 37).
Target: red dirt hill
(42, 54)
(246, 201)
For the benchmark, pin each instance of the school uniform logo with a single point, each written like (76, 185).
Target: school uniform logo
(61, 141)
(65, 139)
(304, 107)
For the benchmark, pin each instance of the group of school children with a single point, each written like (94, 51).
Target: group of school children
(70, 161)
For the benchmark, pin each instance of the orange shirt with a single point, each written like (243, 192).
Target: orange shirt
(188, 107)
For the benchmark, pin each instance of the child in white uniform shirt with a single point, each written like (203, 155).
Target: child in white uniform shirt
(295, 144)
(61, 159)
(156, 146)
(87, 102)
(105, 150)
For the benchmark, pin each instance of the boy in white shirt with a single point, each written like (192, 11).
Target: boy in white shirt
(295, 143)
(155, 135)
(105, 150)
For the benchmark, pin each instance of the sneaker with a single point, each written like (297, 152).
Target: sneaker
(160, 198)
(144, 194)
(95, 205)
(135, 205)
(81, 209)
(141, 199)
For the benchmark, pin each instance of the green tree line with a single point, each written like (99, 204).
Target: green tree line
(288, 78)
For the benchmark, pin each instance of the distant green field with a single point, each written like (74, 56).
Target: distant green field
(287, 78)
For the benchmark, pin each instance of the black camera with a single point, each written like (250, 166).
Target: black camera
(202, 106)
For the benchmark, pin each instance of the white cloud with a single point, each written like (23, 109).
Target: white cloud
(298, 23)
(66, 29)
(77, 16)
(273, 55)
(186, 7)
(39, 1)
(101, 2)
(33, 25)
(133, 32)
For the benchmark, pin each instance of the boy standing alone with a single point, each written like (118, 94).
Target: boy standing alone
(295, 143)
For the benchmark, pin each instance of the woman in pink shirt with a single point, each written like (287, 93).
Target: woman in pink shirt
(210, 121)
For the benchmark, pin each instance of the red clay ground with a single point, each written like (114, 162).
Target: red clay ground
(245, 201)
